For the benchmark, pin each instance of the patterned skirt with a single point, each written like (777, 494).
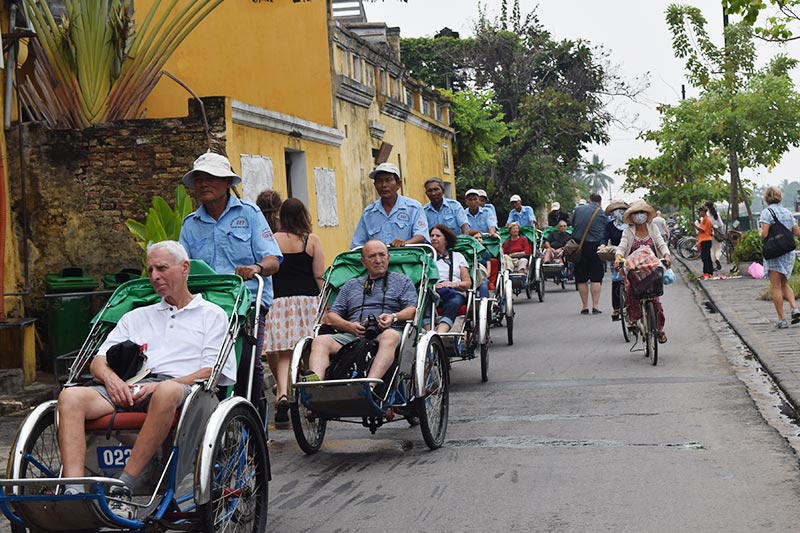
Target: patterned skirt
(290, 318)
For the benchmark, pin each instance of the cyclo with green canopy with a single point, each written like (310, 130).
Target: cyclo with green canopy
(211, 473)
(532, 279)
(558, 271)
(417, 384)
(502, 301)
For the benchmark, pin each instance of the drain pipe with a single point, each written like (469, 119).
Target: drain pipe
(11, 63)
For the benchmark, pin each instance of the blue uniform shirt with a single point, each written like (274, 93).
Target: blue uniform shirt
(451, 214)
(482, 220)
(406, 220)
(524, 217)
(240, 237)
(491, 208)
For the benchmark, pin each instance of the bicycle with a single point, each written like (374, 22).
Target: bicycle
(646, 286)
(684, 245)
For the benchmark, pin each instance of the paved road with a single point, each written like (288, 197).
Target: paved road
(572, 433)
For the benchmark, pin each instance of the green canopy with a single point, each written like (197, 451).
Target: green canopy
(549, 230)
(412, 262)
(221, 289)
(470, 248)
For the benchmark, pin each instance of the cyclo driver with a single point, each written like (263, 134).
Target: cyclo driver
(388, 296)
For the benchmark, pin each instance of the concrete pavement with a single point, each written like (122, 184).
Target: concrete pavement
(738, 301)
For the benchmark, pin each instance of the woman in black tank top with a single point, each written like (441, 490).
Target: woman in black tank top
(296, 288)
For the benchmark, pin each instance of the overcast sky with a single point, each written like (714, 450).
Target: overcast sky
(633, 31)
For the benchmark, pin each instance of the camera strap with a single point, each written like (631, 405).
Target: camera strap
(368, 285)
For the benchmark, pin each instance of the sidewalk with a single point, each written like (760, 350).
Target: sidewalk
(753, 319)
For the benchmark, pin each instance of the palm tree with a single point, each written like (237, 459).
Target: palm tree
(594, 177)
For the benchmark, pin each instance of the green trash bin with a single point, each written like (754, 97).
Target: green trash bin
(69, 311)
(112, 281)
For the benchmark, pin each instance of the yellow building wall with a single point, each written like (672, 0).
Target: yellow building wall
(426, 158)
(269, 54)
(247, 140)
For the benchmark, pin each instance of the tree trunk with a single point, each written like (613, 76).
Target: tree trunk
(733, 165)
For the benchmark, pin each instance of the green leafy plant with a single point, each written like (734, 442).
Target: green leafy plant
(96, 64)
(748, 248)
(162, 221)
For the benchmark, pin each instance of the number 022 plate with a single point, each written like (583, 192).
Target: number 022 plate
(113, 457)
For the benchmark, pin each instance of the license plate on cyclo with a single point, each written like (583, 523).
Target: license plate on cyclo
(113, 457)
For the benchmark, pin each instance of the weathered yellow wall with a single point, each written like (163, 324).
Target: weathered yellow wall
(425, 157)
(269, 54)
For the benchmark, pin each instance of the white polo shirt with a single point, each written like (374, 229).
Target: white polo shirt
(179, 341)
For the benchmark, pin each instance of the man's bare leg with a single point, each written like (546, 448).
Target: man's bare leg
(75, 406)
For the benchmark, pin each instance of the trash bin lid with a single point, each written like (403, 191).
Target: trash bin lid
(70, 280)
(112, 281)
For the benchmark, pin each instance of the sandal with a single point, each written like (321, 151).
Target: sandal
(282, 412)
(662, 337)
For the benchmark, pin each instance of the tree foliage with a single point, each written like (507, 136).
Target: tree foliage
(754, 114)
(549, 93)
(777, 27)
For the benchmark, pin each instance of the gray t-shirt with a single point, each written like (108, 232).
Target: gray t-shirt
(356, 302)
(581, 218)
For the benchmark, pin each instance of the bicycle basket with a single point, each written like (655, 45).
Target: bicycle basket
(646, 284)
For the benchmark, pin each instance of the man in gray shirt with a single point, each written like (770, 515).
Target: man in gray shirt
(389, 296)
(590, 268)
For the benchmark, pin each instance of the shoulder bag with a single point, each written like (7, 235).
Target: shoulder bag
(572, 249)
(779, 241)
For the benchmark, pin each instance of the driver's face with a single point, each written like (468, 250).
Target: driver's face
(434, 192)
(472, 201)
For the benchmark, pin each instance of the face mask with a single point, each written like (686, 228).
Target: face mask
(639, 218)
(616, 215)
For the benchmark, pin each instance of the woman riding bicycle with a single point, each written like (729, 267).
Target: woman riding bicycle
(639, 233)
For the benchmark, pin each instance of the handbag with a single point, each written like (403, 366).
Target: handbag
(718, 234)
(779, 241)
(572, 249)
(126, 359)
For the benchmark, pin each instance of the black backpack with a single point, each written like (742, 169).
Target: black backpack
(353, 359)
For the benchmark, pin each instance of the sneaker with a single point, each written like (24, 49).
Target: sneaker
(795, 315)
(781, 324)
(615, 316)
(282, 413)
(596, 311)
(120, 506)
(309, 375)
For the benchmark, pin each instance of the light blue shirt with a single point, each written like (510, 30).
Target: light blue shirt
(491, 208)
(525, 217)
(451, 214)
(240, 237)
(405, 220)
(482, 220)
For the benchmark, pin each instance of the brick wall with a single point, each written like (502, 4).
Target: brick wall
(83, 185)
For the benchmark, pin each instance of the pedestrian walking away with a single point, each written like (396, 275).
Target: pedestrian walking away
(717, 234)
(296, 286)
(589, 222)
(779, 269)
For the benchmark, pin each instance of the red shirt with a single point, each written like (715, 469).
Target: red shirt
(522, 244)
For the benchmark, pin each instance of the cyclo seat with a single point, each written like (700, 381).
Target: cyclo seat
(122, 421)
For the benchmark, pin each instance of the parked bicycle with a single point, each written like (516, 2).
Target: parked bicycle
(683, 244)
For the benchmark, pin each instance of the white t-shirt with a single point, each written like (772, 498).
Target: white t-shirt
(179, 341)
(444, 267)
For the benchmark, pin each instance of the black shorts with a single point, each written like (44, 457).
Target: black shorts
(590, 267)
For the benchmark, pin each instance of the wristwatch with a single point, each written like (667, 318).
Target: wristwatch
(260, 268)
(394, 318)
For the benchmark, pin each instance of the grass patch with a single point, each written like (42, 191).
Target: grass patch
(794, 283)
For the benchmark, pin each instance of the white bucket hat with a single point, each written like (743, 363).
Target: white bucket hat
(213, 164)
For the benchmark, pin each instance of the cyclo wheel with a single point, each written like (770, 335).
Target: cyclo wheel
(623, 313)
(540, 287)
(483, 339)
(433, 408)
(238, 477)
(509, 312)
(42, 455)
(309, 429)
(652, 331)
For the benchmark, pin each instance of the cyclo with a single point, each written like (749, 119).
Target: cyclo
(416, 385)
(211, 474)
(531, 280)
(502, 302)
(560, 270)
(470, 331)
